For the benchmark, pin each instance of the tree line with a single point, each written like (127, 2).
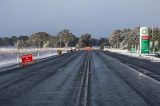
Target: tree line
(64, 38)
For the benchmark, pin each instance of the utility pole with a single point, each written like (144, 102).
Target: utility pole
(18, 52)
(60, 41)
(158, 40)
(152, 40)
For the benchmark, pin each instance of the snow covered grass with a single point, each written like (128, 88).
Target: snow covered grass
(117, 50)
(150, 57)
(10, 56)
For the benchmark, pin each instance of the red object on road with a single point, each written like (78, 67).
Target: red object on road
(26, 58)
(87, 49)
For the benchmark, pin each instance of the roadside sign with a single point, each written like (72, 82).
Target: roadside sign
(132, 50)
(26, 58)
(144, 40)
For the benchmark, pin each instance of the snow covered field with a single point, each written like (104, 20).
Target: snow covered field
(10, 56)
(150, 57)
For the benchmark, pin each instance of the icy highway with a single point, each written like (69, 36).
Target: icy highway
(84, 78)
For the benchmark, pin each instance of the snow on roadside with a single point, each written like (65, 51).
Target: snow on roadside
(150, 57)
(11, 56)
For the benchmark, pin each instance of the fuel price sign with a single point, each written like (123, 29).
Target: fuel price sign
(144, 40)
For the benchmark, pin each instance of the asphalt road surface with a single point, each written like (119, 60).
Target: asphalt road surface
(84, 78)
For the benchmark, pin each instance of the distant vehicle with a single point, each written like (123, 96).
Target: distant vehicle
(59, 52)
(106, 48)
(69, 50)
(95, 47)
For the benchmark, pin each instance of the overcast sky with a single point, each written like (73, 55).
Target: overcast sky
(97, 17)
